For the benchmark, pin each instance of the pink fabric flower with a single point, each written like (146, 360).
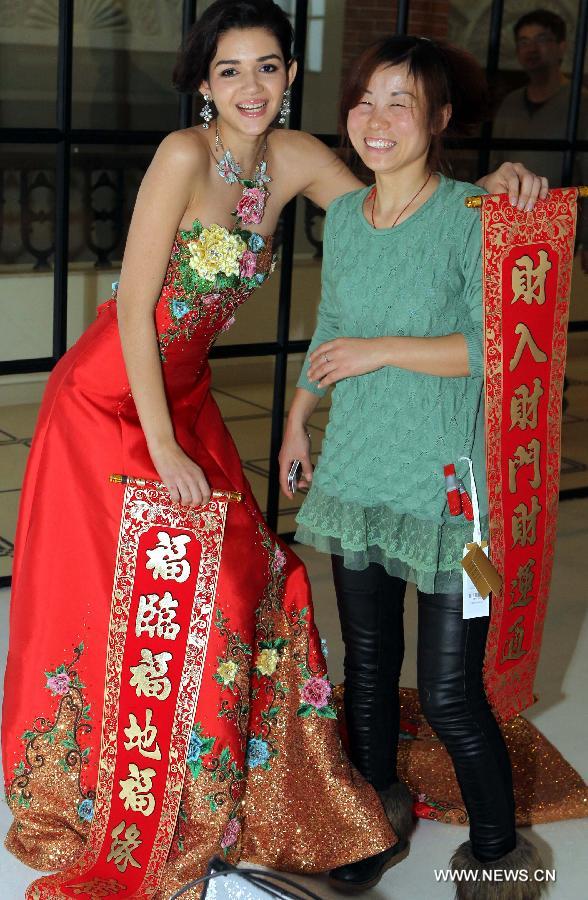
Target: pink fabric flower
(279, 560)
(248, 264)
(210, 299)
(231, 833)
(316, 692)
(59, 684)
(251, 206)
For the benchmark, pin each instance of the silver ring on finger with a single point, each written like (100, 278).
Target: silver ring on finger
(325, 357)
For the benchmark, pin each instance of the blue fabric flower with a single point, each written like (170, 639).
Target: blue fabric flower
(256, 243)
(258, 752)
(260, 277)
(179, 308)
(194, 747)
(86, 810)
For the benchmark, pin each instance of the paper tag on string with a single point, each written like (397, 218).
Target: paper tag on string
(480, 578)
(475, 601)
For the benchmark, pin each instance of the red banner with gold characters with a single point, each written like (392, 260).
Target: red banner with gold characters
(161, 612)
(527, 279)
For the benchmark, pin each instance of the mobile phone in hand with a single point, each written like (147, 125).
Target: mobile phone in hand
(294, 475)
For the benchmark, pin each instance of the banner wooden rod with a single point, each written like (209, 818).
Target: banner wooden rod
(476, 201)
(229, 496)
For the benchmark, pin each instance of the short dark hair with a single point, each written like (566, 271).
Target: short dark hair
(448, 74)
(193, 63)
(546, 19)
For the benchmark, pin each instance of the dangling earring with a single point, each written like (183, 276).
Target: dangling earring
(206, 111)
(285, 107)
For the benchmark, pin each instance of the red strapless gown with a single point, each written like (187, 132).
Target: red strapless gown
(305, 808)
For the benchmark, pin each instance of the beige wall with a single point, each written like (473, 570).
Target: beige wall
(26, 313)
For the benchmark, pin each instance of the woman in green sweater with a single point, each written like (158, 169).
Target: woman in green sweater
(399, 335)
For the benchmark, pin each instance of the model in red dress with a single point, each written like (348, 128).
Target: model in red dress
(265, 712)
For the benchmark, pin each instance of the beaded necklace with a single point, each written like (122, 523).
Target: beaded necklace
(251, 206)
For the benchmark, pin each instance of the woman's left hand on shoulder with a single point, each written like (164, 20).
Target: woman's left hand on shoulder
(343, 358)
(523, 187)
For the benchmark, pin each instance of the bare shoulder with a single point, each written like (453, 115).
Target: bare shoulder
(177, 170)
(186, 151)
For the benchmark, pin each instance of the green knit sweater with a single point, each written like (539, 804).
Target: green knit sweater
(378, 492)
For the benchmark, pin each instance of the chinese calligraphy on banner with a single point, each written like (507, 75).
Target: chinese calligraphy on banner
(527, 277)
(162, 605)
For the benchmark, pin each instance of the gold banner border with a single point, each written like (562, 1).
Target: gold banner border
(504, 226)
(211, 538)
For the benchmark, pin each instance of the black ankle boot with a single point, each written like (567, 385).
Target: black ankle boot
(366, 873)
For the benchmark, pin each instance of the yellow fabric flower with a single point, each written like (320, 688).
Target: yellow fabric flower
(267, 661)
(216, 251)
(227, 671)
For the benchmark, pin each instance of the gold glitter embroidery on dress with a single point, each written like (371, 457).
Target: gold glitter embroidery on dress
(266, 777)
(50, 776)
(547, 788)
(99, 887)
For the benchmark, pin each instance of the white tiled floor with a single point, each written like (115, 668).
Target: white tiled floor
(560, 713)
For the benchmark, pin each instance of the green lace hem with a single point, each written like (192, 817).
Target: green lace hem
(417, 550)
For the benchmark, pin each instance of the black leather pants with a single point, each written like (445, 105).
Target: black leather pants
(449, 664)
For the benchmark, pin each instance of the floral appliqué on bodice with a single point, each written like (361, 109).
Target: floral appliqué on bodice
(211, 272)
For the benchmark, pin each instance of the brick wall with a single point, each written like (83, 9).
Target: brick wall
(429, 18)
(366, 20)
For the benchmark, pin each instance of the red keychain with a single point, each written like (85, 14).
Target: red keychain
(466, 503)
(453, 496)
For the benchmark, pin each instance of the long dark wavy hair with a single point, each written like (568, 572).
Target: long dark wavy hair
(193, 63)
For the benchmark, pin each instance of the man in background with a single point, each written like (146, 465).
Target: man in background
(540, 109)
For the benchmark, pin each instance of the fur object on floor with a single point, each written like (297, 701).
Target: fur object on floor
(397, 802)
(524, 858)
